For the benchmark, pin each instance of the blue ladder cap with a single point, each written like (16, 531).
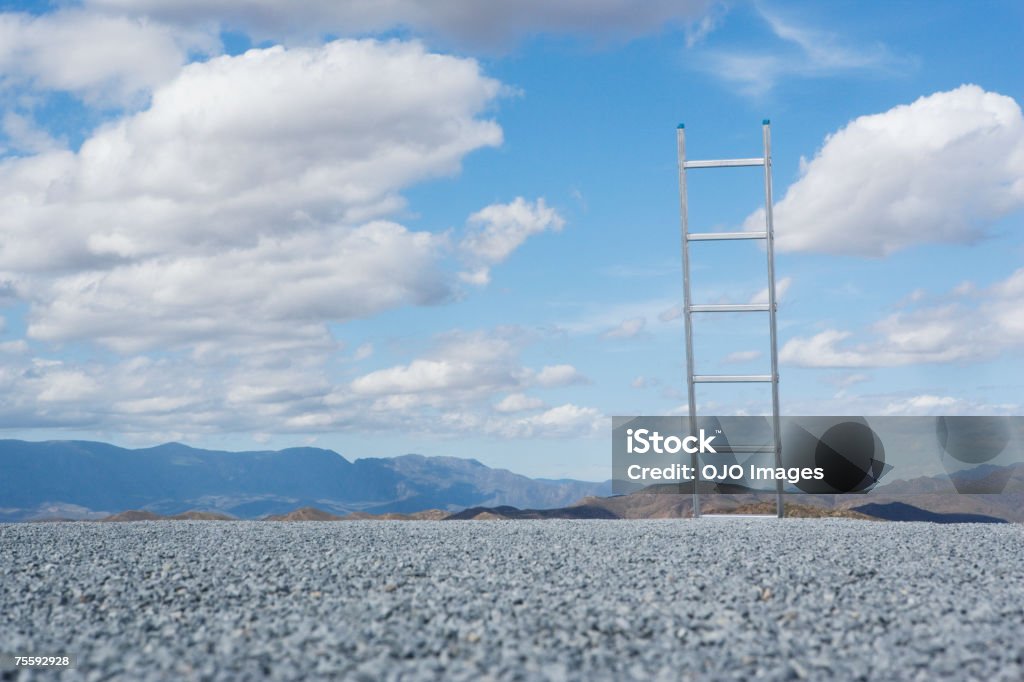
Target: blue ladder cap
(681, 126)
(766, 122)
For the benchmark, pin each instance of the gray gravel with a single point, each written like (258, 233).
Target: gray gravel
(524, 600)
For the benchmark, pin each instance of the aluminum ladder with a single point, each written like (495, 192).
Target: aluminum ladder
(690, 308)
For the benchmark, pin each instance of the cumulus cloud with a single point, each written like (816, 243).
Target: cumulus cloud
(465, 21)
(25, 136)
(467, 384)
(448, 389)
(105, 59)
(262, 173)
(170, 397)
(906, 343)
(499, 229)
(559, 375)
(939, 170)
(281, 289)
(212, 238)
(227, 212)
(470, 365)
(969, 324)
(271, 141)
(467, 365)
(519, 402)
(564, 421)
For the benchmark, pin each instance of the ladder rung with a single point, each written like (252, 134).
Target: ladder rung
(714, 236)
(724, 163)
(730, 308)
(731, 378)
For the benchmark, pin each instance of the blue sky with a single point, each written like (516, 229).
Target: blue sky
(432, 228)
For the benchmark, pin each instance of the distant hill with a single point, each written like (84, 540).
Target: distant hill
(425, 515)
(958, 496)
(304, 514)
(141, 515)
(581, 511)
(633, 506)
(661, 505)
(85, 479)
(899, 511)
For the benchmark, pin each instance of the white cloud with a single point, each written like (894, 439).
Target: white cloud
(257, 173)
(59, 385)
(269, 142)
(939, 170)
(673, 313)
(927, 404)
(964, 288)
(821, 350)
(499, 229)
(465, 21)
(468, 384)
(169, 397)
(697, 31)
(559, 375)
(518, 402)
(281, 289)
(211, 240)
(923, 404)
(898, 404)
(363, 352)
(826, 349)
(24, 136)
(103, 58)
(448, 390)
(424, 375)
(822, 48)
(466, 364)
(15, 347)
(564, 421)
(801, 52)
(478, 277)
(626, 329)
(781, 287)
(968, 325)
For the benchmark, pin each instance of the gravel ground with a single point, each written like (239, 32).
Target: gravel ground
(523, 600)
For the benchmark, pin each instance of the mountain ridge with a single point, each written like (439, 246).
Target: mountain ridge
(89, 479)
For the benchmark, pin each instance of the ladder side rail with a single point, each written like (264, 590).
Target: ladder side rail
(770, 250)
(684, 230)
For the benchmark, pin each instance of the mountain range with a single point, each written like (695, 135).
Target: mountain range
(86, 479)
(92, 480)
